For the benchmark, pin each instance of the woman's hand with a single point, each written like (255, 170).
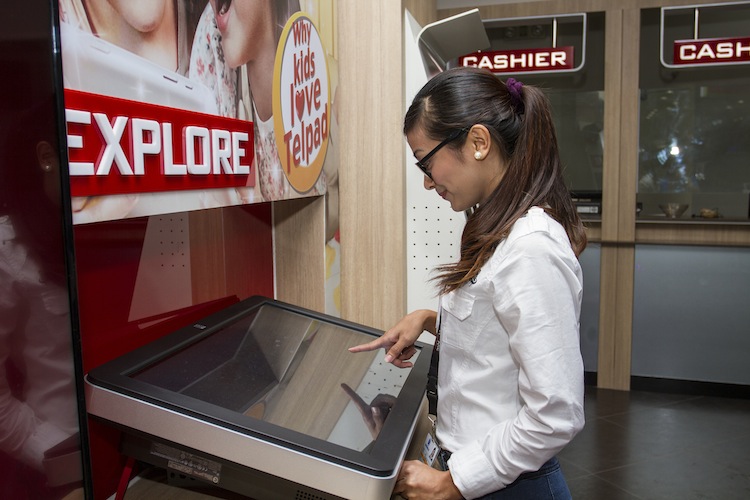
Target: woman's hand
(418, 481)
(399, 340)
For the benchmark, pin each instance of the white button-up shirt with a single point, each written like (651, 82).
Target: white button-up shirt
(510, 383)
(35, 334)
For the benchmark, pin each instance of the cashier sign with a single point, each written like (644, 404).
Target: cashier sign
(712, 51)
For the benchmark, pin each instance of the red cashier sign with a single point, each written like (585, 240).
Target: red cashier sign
(521, 61)
(712, 51)
(117, 146)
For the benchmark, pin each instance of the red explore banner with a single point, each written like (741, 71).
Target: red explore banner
(521, 61)
(118, 146)
(712, 51)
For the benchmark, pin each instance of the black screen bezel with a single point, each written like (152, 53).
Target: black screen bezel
(380, 459)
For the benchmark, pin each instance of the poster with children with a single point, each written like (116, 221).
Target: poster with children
(179, 105)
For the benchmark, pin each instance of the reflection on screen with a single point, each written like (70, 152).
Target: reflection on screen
(290, 370)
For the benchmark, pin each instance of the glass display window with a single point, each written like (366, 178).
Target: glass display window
(576, 94)
(693, 153)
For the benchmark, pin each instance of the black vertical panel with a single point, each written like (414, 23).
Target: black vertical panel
(43, 443)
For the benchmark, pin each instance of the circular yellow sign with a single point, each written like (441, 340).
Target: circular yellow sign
(301, 102)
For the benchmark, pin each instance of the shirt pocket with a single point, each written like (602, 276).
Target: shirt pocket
(462, 321)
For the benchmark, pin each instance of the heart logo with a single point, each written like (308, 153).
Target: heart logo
(300, 103)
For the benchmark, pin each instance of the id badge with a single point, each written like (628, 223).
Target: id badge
(431, 448)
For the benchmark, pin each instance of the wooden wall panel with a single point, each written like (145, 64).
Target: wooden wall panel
(616, 316)
(611, 357)
(699, 233)
(207, 260)
(607, 354)
(299, 252)
(612, 126)
(629, 126)
(231, 252)
(373, 253)
(424, 11)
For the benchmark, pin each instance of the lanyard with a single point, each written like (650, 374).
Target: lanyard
(432, 374)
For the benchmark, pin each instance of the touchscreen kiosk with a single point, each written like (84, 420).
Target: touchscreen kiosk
(263, 398)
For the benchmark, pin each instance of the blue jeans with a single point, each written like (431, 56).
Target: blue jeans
(548, 483)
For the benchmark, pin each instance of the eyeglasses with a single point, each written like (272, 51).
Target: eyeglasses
(422, 164)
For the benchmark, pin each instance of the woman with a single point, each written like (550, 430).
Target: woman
(510, 379)
(38, 405)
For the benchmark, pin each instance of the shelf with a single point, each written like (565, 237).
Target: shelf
(691, 221)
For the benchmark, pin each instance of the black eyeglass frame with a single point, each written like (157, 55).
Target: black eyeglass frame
(422, 164)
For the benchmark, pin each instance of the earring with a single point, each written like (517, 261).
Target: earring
(478, 155)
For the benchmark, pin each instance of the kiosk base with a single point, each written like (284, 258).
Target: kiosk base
(193, 467)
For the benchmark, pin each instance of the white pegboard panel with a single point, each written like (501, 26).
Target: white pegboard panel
(433, 237)
(163, 282)
(382, 378)
(433, 229)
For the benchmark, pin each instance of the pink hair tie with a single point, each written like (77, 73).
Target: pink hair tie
(516, 98)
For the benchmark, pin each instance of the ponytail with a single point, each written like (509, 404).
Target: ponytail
(520, 121)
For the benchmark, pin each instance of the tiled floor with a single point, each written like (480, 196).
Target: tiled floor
(646, 445)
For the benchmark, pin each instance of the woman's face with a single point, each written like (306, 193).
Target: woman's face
(461, 180)
(245, 26)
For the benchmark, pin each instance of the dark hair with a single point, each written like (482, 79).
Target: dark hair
(37, 218)
(525, 135)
